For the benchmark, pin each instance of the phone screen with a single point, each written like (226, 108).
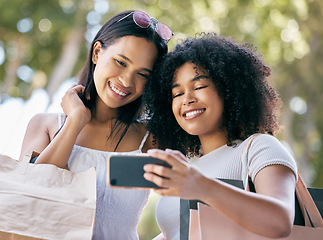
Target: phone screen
(127, 170)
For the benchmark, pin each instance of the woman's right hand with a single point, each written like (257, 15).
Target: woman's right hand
(74, 107)
(181, 180)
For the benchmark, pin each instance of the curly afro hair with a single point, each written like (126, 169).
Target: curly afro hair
(251, 104)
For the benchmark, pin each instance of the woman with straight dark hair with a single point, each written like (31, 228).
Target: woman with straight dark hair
(101, 116)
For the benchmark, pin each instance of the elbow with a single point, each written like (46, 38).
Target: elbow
(283, 224)
(279, 227)
(283, 231)
(277, 231)
(283, 228)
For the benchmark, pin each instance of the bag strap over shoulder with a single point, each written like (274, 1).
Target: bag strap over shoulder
(310, 212)
(244, 162)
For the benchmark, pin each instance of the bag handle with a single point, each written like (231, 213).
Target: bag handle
(309, 210)
(244, 162)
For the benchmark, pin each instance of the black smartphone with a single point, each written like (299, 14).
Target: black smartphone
(126, 170)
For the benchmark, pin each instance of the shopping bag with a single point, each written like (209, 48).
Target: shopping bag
(197, 208)
(13, 236)
(213, 225)
(42, 201)
(189, 214)
(206, 223)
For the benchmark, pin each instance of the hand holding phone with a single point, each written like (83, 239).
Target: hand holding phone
(126, 170)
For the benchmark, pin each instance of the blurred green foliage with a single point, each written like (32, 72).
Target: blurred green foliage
(287, 32)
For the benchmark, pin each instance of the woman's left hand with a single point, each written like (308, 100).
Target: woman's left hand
(74, 107)
(182, 180)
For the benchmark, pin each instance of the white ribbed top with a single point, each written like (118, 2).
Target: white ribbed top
(225, 162)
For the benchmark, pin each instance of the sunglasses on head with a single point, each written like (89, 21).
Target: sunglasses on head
(143, 20)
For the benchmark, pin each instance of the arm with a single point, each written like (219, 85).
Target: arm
(274, 199)
(58, 150)
(37, 135)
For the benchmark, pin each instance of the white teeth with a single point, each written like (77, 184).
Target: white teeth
(118, 92)
(191, 114)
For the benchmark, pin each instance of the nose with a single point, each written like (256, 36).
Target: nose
(189, 99)
(126, 79)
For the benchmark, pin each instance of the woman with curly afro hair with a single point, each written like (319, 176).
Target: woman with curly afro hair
(209, 98)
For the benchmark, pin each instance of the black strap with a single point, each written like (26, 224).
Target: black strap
(184, 219)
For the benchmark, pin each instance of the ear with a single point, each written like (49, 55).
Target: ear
(96, 50)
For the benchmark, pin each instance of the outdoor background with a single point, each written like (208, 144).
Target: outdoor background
(44, 43)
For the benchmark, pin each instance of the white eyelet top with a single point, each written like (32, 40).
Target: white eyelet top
(117, 210)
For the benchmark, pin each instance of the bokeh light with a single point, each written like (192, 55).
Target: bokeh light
(101, 6)
(25, 25)
(25, 73)
(45, 25)
(206, 24)
(298, 105)
(2, 54)
(91, 32)
(68, 6)
(93, 18)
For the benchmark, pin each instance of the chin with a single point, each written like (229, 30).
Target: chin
(192, 132)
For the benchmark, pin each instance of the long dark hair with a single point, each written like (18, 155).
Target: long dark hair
(111, 31)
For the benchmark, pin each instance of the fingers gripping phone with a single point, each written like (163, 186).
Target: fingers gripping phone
(126, 170)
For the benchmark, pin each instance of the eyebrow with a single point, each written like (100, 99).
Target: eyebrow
(127, 59)
(196, 78)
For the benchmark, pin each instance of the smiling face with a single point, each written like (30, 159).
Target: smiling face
(122, 69)
(196, 104)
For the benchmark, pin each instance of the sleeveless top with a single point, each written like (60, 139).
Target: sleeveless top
(225, 162)
(118, 210)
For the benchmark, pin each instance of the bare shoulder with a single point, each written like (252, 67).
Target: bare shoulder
(137, 131)
(40, 117)
(44, 122)
(141, 127)
(40, 131)
(133, 138)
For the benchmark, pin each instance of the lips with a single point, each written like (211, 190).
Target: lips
(190, 114)
(118, 90)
